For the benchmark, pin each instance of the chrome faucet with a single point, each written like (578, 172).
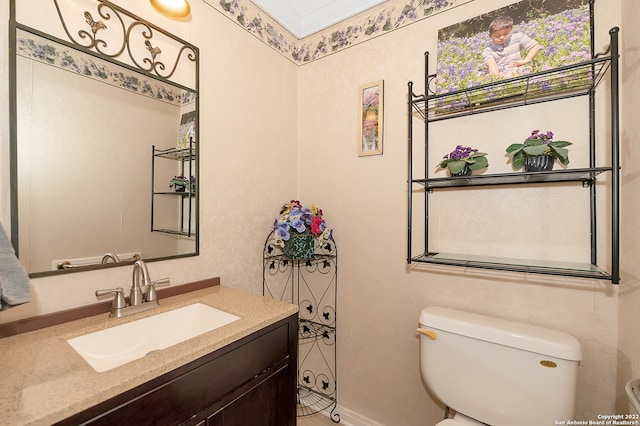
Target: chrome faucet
(114, 257)
(136, 294)
(142, 295)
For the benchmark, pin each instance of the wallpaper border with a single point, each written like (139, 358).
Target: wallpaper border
(372, 23)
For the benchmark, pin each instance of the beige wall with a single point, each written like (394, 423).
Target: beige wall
(629, 314)
(380, 297)
(272, 131)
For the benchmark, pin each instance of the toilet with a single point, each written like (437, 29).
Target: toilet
(497, 372)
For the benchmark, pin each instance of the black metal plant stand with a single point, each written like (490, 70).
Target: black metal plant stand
(312, 285)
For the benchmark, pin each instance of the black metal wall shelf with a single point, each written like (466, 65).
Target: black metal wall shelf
(586, 176)
(176, 194)
(176, 153)
(569, 269)
(312, 285)
(560, 83)
(177, 231)
(186, 158)
(544, 86)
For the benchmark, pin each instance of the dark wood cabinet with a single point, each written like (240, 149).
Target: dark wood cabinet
(251, 381)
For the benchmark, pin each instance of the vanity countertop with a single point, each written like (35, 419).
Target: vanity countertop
(43, 380)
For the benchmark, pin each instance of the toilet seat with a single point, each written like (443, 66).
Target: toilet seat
(460, 420)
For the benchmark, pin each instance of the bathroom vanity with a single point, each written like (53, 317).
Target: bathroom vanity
(241, 373)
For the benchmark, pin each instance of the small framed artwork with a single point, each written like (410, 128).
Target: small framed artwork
(371, 118)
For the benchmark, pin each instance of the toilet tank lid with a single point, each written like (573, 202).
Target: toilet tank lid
(544, 341)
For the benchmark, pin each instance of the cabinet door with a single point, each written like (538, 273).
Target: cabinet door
(266, 403)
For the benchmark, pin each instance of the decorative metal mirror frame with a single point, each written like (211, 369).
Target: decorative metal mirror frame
(88, 42)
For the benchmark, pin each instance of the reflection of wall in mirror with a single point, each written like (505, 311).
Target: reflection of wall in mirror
(85, 167)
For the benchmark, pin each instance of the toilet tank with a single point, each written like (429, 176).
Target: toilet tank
(499, 372)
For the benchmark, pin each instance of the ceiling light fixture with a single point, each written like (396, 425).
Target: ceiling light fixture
(172, 8)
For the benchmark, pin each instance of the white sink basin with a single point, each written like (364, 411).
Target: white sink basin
(110, 348)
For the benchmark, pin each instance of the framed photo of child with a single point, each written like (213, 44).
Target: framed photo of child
(524, 37)
(371, 118)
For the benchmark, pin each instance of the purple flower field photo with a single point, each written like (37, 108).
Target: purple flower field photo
(560, 28)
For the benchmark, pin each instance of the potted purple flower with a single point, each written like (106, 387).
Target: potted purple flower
(463, 160)
(181, 183)
(297, 229)
(538, 152)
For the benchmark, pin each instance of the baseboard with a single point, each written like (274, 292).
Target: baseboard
(350, 418)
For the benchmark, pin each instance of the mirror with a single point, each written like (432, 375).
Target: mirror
(105, 115)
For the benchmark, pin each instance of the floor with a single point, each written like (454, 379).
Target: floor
(316, 420)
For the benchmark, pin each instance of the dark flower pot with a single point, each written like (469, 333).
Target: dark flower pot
(466, 171)
(539, 163)
(179, 188)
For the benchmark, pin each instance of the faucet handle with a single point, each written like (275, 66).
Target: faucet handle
(118, 302)
(151, 294)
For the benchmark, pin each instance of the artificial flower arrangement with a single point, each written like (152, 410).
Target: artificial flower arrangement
(182, 183)
(461, 157)
(296, 219)
(538, 143)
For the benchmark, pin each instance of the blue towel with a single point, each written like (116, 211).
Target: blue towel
(14, 281)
